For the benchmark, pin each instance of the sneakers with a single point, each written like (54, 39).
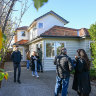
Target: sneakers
(37, 76)
(33, 75)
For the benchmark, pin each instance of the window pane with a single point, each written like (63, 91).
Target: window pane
(22, 33)
(49, 49)
(40, 25)
(58, 47)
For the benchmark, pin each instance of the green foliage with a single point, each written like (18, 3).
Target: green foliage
(93, 74)
(4, 37)
(39, 3)
(72, 72)
(92, 32)
(2, 70)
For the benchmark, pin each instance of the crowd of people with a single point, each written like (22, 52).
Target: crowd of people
(64, 65)
(81, 65)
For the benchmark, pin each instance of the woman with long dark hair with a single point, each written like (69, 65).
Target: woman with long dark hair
(81, 82)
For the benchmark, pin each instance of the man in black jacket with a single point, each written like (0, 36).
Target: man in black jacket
(63, 67)
(16, 58)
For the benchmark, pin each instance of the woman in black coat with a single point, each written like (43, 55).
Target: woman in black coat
(81, 82)
(34, 59)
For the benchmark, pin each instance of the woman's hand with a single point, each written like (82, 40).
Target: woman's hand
(76, 57)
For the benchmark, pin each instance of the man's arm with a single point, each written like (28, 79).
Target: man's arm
(70, 64)
(55, 60)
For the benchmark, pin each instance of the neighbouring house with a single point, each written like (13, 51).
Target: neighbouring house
(20, 38)
(48, 32)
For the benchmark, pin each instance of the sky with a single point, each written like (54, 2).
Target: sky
(79, 13)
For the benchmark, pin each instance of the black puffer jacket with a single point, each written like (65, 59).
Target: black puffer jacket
(63, 65)
(16, 56)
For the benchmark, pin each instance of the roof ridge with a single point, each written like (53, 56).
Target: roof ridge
(50, 12)
(65, 27)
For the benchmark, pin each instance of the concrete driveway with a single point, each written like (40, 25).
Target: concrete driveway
(32, 86)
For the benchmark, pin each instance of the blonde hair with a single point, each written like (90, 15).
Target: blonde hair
(33, 52)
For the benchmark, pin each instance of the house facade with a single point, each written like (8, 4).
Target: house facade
(20, 38)
(49, 33)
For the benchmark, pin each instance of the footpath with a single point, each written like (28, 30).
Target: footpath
(32, 86)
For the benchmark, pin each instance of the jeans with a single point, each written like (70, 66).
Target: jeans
(36, 74)
(61, 83)
(15, 70)
(39, 65)
(28, 61)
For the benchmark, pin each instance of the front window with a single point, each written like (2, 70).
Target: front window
(49, 49)
(22, 33)
(58, 47)
(53, 48)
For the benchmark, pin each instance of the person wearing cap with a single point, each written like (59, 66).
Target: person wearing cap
(63, 67)
(16, 58)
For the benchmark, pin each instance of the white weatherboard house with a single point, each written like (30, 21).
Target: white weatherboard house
(48, 33)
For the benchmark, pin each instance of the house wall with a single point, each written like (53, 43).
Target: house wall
(32, 46)
(48, 22)
(19, 37)
(22, 49)
(32, 34)
(85, 44)
(72, 45)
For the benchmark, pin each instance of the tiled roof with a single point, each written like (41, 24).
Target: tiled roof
(21, 42)
(64, 31)
(22, 28)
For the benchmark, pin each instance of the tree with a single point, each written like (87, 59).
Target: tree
(8, 25)
(92, 32)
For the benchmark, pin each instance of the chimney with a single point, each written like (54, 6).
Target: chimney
(78, 33)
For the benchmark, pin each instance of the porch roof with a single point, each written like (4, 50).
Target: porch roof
(58, 31)
(22, 28)
(21, 42)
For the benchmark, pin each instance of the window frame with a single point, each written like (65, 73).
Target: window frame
(55, 49)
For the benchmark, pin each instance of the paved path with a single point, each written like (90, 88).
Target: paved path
(32, 86)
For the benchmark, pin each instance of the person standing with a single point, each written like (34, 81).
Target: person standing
(16, 58)
(63, 67)
(81, 82)
(34, 59)
(39, 67)
(28, 59)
